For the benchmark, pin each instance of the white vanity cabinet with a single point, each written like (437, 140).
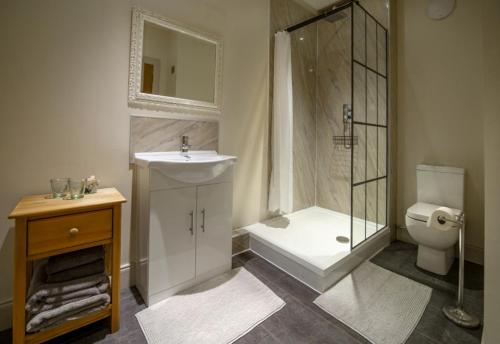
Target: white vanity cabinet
(172, 238)
(184, 231)
(213, 226)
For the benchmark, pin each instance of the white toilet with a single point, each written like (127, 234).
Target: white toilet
(437, 186)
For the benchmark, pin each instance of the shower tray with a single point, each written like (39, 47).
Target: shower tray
(304, 244)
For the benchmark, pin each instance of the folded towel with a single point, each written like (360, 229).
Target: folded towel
(40, 291)
(66, 312)
(92, 268)
(98, 289)
(57, 301)
(73, 259)
(73, 317)
(43, 307)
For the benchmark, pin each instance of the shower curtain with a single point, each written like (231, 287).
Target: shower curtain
(281, 185)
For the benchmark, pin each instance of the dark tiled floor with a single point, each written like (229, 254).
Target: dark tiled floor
(401, 258)
(300, 321)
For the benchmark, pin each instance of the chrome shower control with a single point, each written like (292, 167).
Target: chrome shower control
(347, 110)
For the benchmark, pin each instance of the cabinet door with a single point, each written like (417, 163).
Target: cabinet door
(172, 240)
(215, 203)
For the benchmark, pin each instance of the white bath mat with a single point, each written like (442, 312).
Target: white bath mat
(380, 305)
(219, 311)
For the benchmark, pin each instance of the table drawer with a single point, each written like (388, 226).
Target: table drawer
(61, 232)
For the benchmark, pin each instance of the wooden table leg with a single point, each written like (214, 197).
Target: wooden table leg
(20, 283)
(115, 286)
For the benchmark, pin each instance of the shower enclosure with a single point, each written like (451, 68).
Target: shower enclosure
(340, 160)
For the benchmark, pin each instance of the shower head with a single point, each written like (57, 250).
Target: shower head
(336, 12)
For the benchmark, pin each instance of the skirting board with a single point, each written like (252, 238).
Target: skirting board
(126, 279)
(473, 254)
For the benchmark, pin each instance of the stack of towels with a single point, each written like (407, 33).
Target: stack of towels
(66, 287)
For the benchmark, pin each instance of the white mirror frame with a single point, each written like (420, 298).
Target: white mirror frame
(138, 98)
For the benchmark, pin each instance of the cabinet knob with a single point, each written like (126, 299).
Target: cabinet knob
(74, 231)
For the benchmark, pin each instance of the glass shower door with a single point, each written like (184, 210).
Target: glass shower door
(369, 129)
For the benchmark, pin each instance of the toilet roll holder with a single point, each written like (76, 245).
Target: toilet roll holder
(456, 313)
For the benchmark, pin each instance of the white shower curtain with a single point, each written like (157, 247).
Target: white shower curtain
(281, 186)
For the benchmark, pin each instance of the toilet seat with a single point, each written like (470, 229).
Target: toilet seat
(421, 211)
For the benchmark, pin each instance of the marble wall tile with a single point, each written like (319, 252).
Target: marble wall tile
(285, 13)
(162, 134)
(382, 101)
(381, 204)
(379, 9)
(359, 154)
(304, 123)
(371, 206)
(333, 189)
(359, 213)
(371, 152)
(371, 97)
(382, 152)
(359, 35)
(371, 43)
(359, 108)
(381, 51)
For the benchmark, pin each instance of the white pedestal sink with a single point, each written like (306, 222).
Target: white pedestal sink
(184, 217)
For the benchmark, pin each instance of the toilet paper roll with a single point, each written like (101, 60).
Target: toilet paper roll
(436, 219)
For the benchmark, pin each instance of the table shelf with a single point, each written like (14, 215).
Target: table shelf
(95, 229)
(68, 326)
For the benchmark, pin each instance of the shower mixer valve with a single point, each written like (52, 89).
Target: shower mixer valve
(346, 140)
(347, 110)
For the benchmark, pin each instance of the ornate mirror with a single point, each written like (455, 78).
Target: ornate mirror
(173, 66)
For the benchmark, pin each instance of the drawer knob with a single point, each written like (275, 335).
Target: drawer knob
(73, 231)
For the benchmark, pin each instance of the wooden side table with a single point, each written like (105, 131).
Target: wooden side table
(46, 227)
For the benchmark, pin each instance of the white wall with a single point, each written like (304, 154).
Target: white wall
(439, 104)
(63, 99)
(491, 108)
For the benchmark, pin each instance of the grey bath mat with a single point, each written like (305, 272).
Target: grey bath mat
(219, 311)
(380, 305)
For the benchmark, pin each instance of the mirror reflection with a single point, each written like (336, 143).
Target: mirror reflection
(177, 65)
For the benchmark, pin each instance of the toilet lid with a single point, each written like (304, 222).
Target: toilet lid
(421, 211)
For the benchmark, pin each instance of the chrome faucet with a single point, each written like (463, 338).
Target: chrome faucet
(185, 144)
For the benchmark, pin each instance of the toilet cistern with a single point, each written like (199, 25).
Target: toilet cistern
(437, 186)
